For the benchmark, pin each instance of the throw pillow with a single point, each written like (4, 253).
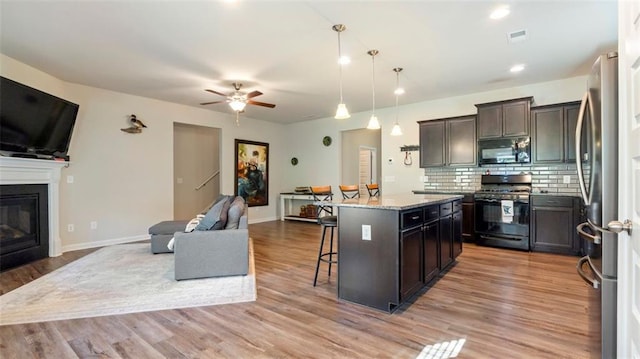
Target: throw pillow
(216, 217)
(189, 228)
(236, 210)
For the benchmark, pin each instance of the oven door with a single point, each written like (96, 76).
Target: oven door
(492, 229)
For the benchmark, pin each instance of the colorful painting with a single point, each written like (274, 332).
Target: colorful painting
(252, 172)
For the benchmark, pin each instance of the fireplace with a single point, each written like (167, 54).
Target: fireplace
(24, 224)
(26, 172)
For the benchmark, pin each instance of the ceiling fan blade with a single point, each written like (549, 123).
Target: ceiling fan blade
(216, 92)
(211, 103)
(254, 94)
(270, 105)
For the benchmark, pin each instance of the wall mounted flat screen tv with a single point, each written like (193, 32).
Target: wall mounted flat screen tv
(34, 123)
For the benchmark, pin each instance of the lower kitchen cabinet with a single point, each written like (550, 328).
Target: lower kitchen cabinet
(410, 259)
(553, 224)
(430, 238)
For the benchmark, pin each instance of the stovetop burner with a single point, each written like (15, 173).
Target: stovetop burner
(499, 187)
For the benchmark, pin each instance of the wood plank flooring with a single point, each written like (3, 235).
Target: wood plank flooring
(503, 303)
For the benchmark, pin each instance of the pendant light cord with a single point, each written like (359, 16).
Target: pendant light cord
(373, 82)
(340, 62)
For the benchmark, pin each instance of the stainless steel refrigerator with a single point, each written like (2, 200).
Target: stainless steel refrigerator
(597, 165)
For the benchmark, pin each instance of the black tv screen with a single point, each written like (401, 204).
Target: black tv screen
(33, 122)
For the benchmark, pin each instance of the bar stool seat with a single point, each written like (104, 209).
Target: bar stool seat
(327, 220)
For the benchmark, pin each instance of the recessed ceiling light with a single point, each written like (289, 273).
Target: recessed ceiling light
(344, 60)
(499, 13)
(398, 91)
(517, 68)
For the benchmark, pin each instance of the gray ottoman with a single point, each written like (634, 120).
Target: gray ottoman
(161, 233)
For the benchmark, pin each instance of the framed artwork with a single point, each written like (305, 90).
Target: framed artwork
(252, 172)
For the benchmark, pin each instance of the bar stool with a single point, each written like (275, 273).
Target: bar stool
(350, 191)
(327, 220)
(373, 189)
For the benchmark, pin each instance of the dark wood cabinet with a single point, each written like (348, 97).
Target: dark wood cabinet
(448, 142)
(456, 249)
(553, 224)
(430, 237)
(410, 262)
(504, 118)
(468, 215)
(401, 254)
(553, 131)
(432, 143)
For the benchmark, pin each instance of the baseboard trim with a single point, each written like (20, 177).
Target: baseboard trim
(260, 220)
(106, 242)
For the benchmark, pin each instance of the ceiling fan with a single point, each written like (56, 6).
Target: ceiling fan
(237, 100)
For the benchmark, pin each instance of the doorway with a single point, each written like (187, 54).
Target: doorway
(361, 157)
(196, 168)
(367, 168)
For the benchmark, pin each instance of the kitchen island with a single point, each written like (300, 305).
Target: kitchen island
(392, 246)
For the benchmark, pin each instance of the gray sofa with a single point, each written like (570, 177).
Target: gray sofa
(204, 253)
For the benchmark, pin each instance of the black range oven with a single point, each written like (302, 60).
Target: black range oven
(502, 211)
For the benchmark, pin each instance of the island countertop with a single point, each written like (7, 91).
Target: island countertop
(398, 202)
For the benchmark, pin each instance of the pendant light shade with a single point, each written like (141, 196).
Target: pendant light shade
(396, 130)
(341, 112)
(374, 124)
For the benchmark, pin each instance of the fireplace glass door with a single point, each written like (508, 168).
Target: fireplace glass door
(24, 224)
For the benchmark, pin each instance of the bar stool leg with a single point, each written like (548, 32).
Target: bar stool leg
(315, 278)
(331, 251)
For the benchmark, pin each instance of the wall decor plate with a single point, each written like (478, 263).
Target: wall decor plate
(326, 141)
(294, 161)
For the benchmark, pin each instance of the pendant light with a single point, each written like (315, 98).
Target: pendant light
(342, 112)
(397, 131)
(373, 121)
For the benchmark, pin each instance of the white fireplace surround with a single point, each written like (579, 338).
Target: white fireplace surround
(32, 171)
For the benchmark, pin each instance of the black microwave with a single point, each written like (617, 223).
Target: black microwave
(504, 150)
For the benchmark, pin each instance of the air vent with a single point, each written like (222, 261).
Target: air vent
(517, 36)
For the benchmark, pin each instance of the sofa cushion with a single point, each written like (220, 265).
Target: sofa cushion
(216, 217)
(236, 210)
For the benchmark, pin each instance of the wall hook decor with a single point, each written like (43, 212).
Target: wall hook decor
(136, 125)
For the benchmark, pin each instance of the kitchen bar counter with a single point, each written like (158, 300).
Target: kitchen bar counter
(396, 202)
(391, 247)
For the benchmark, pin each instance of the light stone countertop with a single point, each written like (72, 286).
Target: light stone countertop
(398, 202)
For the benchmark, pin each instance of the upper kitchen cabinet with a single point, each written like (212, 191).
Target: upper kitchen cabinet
(448, 142)
(504, 118)
(553, 129)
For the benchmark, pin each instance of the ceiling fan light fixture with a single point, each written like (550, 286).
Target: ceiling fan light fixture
(237, 105)
(341, 112)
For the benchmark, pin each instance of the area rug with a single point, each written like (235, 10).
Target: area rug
(119, 279)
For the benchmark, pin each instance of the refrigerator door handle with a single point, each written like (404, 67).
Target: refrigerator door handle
(593, 282)
(583, 107)
(595, 238)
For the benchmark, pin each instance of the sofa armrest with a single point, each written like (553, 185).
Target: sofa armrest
(201, 254)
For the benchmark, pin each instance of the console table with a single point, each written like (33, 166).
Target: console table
(289, 211)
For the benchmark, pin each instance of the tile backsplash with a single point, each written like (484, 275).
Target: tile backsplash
(545, 178)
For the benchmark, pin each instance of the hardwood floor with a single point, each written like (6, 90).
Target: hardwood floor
(502, 303)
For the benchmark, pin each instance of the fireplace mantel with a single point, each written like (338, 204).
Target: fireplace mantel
(33, 171)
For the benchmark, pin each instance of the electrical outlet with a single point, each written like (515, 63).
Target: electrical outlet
(566, 179)
(366, 232)
(179, 180)
(70, 228)
(69, 179)
(389, 178)
(94, 225)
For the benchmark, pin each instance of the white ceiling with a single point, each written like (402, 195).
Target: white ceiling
(173, 50)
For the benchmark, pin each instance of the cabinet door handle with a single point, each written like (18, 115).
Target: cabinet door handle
(415, 217)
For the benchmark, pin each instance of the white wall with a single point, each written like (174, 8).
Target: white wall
(320, 164)
(124, 181)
